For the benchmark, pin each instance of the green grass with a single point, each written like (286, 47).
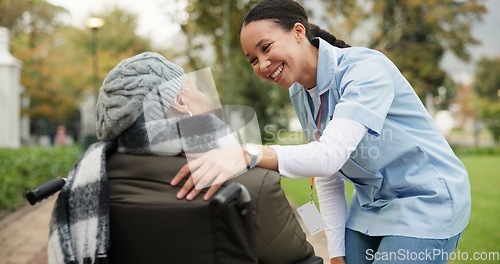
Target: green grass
(297, 190)
(483, 232)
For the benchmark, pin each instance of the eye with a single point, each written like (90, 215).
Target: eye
(266, 47)
(253, 61)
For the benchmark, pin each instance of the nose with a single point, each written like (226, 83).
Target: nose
(264, 64)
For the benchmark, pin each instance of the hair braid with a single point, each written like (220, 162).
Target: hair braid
(315, 31)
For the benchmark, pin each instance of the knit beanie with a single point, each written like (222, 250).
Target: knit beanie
(121, 97)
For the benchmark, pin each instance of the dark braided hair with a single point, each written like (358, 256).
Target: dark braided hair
(286, 13)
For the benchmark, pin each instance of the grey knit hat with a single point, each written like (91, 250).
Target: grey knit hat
(121, 97)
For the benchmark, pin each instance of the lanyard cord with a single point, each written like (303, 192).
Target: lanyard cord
(318, 126)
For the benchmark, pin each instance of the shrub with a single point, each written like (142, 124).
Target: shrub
(476, 151)
(25, 168)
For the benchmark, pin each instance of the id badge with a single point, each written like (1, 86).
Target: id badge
(312, 218)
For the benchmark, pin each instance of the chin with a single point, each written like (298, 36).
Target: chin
(285, 85)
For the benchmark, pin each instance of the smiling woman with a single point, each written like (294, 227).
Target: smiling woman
(271, 54)
(365, 124)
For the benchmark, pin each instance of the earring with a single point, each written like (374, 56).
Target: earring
(189, 113)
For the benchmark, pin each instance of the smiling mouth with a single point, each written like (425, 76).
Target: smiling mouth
(277, 72)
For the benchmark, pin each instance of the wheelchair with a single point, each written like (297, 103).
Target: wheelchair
(219, 231)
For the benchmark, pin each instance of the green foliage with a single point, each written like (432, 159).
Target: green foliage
(25, 168)
(463, 151)
(487, 78)
(414, 34)
(490, 113)
(35, 18)
(487, 88)
(58, 65)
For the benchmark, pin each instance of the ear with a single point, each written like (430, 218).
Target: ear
(179, 105)
(299, 31)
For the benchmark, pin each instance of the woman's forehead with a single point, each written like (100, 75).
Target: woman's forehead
(260, 26)
(253, 33)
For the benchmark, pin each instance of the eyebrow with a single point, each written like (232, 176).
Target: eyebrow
(256, 45)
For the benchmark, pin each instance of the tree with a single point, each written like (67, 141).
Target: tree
(58, 71)
(487, 88)
(32, 17)
(31, 23)
(487, 78)
(414, 34)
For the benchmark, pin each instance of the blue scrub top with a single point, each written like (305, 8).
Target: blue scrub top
(407, 179)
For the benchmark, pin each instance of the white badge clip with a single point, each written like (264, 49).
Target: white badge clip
(312, 218)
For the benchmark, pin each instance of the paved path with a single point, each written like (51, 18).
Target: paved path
(319, 243)
(24, 234)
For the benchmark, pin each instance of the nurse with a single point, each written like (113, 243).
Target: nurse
(365, 124)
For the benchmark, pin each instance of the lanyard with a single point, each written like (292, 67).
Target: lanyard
(318, 126)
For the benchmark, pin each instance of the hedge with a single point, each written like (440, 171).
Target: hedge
(25, 168)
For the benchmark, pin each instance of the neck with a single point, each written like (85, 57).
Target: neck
(308, 79)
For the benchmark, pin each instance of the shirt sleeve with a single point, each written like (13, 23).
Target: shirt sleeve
(366, 89)
(324, 157)
(333, 208)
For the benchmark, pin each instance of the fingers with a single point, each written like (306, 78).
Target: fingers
(204, 177)
(204, 171)
(223, 177)
(188, 186)
(193, 194)
(183, 172)
(210, 193)
(188, 190)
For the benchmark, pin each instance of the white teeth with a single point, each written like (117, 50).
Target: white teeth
(277, 72)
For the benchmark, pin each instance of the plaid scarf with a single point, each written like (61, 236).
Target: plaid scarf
(79, 228)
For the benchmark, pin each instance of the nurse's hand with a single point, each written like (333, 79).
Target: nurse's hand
(188, 191)
(216, 166)
(211, 168)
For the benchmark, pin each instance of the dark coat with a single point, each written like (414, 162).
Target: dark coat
(143, 201)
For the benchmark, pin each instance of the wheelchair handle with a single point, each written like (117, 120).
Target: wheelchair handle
(44, 190)
(231, 192)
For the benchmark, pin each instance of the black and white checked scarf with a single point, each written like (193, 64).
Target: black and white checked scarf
(79, 228)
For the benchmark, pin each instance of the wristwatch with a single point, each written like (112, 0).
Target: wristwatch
(253, 151)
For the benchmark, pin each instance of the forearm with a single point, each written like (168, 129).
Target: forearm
(333, 206)
(268, 159)
(324, 157)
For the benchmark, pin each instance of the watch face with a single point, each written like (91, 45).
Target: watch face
(252, 149)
